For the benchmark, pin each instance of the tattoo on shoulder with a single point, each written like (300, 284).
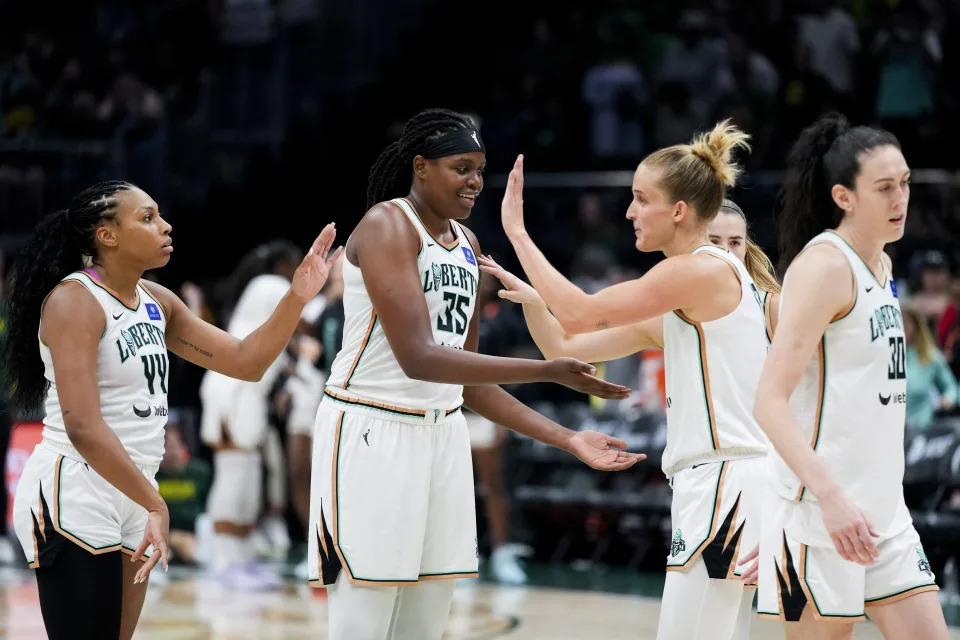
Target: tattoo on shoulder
(194, 347)
(603, 324)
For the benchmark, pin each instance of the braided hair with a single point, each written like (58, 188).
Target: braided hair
(57, 248)
(390, 175)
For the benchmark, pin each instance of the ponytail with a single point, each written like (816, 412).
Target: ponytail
(60, 245)
(827, 153)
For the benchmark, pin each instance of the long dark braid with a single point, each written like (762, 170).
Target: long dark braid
(55, 250)
(390, 175)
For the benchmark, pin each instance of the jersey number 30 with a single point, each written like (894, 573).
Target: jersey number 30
(898, 359)
(446, 321)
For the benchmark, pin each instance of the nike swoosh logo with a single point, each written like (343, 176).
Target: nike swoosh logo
(143, 413)
(869, 289)
(118, 316)
(430, 244)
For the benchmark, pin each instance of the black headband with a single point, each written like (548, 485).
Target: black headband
(454, 142)
(730, 205)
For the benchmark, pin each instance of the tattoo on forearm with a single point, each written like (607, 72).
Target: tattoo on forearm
(603, 324)
(194, 347)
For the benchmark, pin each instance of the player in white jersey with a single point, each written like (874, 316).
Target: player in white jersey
(729, 231)
(392, 499)
(701, 306)
(832, 400)
(235, 424)
(87, 492)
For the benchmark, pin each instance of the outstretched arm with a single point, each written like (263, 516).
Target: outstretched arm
(677, 283)
(598, 450)
(554, 341)
(205, 345)
(396, 290)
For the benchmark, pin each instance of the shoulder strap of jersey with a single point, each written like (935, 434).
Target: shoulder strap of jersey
(414, 219)
(857, 265)
(729, 257)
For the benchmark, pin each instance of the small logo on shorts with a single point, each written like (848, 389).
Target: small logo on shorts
(923, 564)
(678, 545)
(365, 434)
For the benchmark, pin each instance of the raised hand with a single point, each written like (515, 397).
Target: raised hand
(603, 452)
(511, 209)
(516, 289)
(157, 533)
(579, 376)
(313, 271)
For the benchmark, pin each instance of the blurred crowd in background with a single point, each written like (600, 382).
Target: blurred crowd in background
(251, 119)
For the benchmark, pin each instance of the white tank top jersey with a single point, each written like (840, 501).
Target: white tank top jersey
(132, 370)
(851, 400)
(712, 372)
(366, 368)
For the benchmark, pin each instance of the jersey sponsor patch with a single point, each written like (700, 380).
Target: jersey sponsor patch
(152, 311)
(468, 254)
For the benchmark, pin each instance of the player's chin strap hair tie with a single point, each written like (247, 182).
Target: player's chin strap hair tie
(454, 142)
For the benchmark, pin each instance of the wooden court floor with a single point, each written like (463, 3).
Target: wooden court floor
(193, 608)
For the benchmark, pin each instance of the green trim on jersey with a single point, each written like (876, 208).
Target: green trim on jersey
(110, 293)
(883, 285)
(823, 404)
(703, 381)
(440, 244)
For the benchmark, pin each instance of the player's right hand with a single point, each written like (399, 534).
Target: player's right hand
(852, 535)
(157, 533)
(580, 377)
(515, 289)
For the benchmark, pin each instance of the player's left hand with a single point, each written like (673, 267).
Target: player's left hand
(603, 452)
(312, 273)
(511, 209)
(752, 560)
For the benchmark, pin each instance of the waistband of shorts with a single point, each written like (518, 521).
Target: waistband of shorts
(384, 411)
(69, 451)
(716, 455)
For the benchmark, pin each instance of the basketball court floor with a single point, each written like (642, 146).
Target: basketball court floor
(192, 607)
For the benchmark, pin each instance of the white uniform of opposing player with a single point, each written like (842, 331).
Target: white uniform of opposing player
(392, 500)
(852, 402)
(59, 498)
(715, 452)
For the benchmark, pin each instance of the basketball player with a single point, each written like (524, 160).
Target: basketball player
(729, 231)
(87, 492)
(392, 495)
(235, 424)
(701, 306)
(832, 399)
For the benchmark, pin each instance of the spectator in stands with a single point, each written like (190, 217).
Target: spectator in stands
(615, 91)
(829, 35)
(931, 386)
(932, 271)
(184, 482)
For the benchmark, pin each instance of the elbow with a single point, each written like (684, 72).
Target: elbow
(81, 433)
(414, 365)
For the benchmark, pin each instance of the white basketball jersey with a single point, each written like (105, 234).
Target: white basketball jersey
(851, 400)
(132, 371)
(366, 368)
(712, 372)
